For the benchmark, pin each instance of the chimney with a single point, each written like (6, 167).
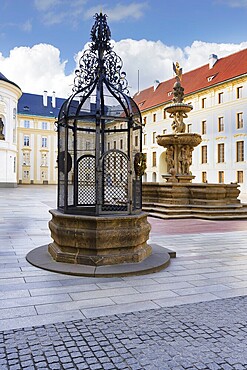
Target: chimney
(156, 84)
(53, 100)
(45, 98)
(212, 60)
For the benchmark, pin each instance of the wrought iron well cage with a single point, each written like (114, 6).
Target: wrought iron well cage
(100, 163)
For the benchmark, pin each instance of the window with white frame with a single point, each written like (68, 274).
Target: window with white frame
(44, 142)
(220, 124)
(221, 177)
(26, 174)
(189, 128)
(239, 92)
(240, 177)
(44, 126)
(204, 176)
(26, 141)
(26, 123)
(240, 151)
(203, 103)
(154, 159)
(221, 153)
(220, 98)
(145, 139)
(204, 154)
(204, 127)
(240, 121)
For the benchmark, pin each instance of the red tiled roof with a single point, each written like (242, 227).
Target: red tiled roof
(224, 69)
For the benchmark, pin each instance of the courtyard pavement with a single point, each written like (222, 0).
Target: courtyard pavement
(191, 315)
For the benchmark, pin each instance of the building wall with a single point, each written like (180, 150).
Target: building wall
(228, 105)
(9, 95)
(37, 150)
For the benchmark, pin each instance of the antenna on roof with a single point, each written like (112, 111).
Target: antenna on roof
(138, 81)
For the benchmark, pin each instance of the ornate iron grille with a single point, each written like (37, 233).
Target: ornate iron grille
(115, 181)
(86, 180)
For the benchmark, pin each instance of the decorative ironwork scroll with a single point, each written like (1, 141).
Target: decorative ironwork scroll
(100, 60)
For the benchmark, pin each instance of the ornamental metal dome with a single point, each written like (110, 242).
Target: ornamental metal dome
(100, 163)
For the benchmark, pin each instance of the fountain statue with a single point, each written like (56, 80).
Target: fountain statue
(179, 145)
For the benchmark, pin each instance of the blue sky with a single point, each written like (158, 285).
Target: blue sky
(66, 25)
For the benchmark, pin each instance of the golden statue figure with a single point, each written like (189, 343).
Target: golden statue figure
(178, 71)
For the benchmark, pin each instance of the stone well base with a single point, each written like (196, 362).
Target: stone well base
(99, 241)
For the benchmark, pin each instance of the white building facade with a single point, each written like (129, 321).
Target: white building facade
(9, 95)
(219, 115)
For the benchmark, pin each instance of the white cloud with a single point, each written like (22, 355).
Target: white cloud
(40, 68)
(44, 5)
(120, 11)
(57, 11)
(27, 26)
(37, 69)
(235, 3)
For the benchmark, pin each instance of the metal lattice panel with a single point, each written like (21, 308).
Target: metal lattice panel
(86, 180)
(115, 181)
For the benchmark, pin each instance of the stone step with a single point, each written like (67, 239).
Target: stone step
(224, 212)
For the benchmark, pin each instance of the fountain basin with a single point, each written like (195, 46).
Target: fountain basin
(179, 107)
(179, 139)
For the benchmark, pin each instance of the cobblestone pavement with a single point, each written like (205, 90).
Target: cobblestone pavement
(206, 335)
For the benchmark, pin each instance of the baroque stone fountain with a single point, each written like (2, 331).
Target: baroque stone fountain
(179, 144)
(178, 196)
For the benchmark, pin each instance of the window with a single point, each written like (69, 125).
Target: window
(240, 121)
(220, 124)
(204, 127)
(204, 154)
(108, 146)
(164, 114)
(145, 120)
(240, 177)
(164, 131)
(26, 140)
(154, 159)
(189, 128)
(221, 153)
(44, 125)
(221, 177)
(145, 139)
(136, 140)
(204, 176)
(154, 117)
(239, 92)
(44, 142)
(220, 98)
(203, 103)
(240, 151)
(26, 174)
(26, 123)
(114, 144)
(14, 113)
(14, 164)
(121, 143)
(154, 137)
